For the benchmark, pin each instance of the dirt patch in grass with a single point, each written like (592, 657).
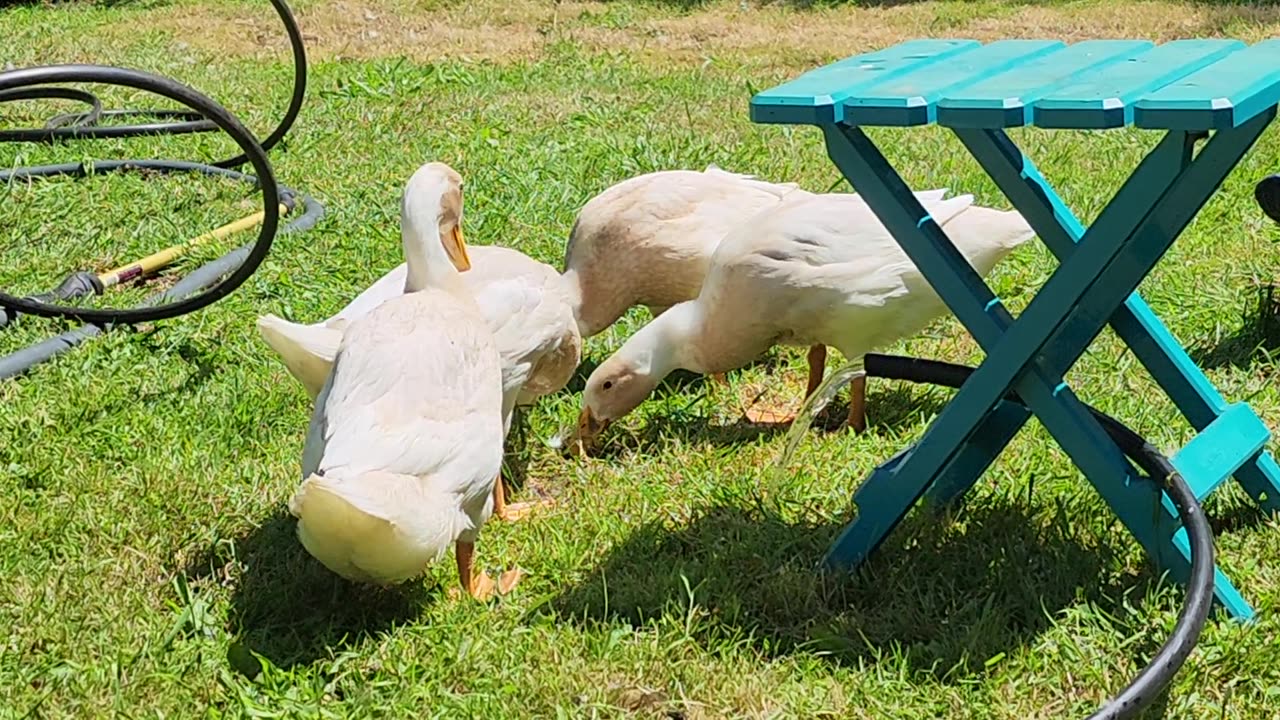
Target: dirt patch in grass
(763, 36)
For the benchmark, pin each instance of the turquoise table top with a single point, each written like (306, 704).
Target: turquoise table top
(1181, 85)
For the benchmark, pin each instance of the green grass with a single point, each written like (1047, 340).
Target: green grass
(150, 568)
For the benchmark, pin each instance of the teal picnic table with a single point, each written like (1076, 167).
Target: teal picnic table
(1223, 92)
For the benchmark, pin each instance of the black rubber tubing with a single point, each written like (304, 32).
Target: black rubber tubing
(1156, 676)
(20, 361)
(220, 116)
(80, 126)
(49, 93)
(1267, 193)
(83, 126)
(68, 290)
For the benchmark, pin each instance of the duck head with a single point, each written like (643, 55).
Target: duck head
(431, 227)
(631, 374)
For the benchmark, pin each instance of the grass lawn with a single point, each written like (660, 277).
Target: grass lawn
(149, 567)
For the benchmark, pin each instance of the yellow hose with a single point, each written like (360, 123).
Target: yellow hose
(155, 261)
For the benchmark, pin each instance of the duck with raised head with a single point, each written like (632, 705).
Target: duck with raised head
(406, 437)
(815, 270)
(522, 301)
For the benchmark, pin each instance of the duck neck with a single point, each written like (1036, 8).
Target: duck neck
(669, 342)
(572, 283)
(609, 301)
(428, 263)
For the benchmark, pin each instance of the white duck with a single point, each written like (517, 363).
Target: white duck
(814, 270)
(406, 437)
(524, 304)
(649, 241)
(646, 241)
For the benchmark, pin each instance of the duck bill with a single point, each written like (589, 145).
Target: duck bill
(456, 248)
(589, 429)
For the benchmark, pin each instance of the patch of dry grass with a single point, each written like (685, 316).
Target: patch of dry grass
(771, 35)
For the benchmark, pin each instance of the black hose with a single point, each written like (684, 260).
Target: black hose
(1267, 194)
(32, 83)
(51, 93)
(20, 361)
(205, 115)
(84, 126)
(1155, 677)
(81, 284)
(265, 177)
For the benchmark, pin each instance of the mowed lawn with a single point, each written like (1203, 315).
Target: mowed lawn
(149, 569)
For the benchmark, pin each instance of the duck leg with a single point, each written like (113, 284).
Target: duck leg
(481, 586)
(514, 511)
(858, 404)
(817, 368)
(857, 388)
(478, 586)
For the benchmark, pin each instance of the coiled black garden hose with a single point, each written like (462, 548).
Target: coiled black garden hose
(229, 124)
(84, 126)
(1267, 193)
(1155, 677)
(206, 115)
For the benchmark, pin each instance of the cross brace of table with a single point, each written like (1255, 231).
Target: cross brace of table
(1094, 285)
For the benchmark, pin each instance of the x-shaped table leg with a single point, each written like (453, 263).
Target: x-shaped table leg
(1135, 323)
(1031, 355)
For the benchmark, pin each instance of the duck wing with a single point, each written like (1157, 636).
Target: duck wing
(415, 387)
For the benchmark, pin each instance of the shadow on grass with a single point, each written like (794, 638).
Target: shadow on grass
(941, 598)
(290, 609)
(1257, 339)
(889, 405)
(1232, 511)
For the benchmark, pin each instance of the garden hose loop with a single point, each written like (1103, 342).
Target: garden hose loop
(84, 126)
(1159, 672)
(220, 116)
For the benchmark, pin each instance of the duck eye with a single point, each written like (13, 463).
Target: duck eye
(608, 384)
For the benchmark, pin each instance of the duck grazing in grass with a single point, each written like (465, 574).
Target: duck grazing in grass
(815, 270)
(648, 240)
(405, 440)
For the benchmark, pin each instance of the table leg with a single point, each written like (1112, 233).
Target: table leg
(976, 456)
(965, 417)
(1118, 251)
(1066, 315)
(1135, 323)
